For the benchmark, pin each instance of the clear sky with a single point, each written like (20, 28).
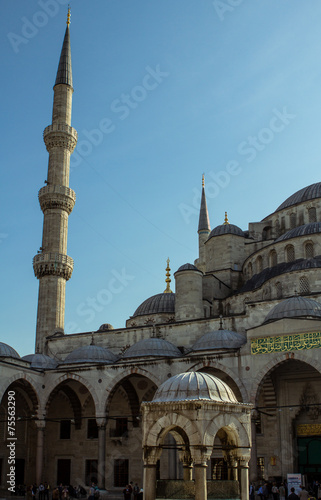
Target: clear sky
(164, 91)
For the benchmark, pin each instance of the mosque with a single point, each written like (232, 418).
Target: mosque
(204, 389)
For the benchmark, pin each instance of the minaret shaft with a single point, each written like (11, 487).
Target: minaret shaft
(52, 266)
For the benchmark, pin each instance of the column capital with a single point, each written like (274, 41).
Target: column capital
(40, 424)
(101, 422)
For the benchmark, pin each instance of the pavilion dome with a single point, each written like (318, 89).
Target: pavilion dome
(294, 307)
(219, 339)
(91, 354)
(194, 386)
(40, 361)
(160, 303)
(152, 347)
(6, 351)
(308, 193)
(187, 267)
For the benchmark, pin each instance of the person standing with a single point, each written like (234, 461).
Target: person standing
(282, 491)
(293, 495)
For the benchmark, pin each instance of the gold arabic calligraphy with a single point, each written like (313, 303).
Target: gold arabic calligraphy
(286, 343)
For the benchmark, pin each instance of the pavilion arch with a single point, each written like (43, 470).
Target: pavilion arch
(202, 366)
(274, 363)
(65, 378)
(31, 388)
(232, 426)
(159, 430)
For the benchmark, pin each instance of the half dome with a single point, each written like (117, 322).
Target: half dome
(40, 361)
(226, 229)
(160, 303)
(194, 386)
(187, 267)
(6, 351)
(219, 339)
(294, 307)
(308, 193)
(91, 354)
(152, 347)
(305, 230)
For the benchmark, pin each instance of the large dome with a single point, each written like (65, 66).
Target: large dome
(305, 230)
(91, 354)
(6, 351)
(226, 229)
(308, 193)
(219, 339)
(294, 307)
(152, 347)
(194, 386)
(40, 361)
(160, 303)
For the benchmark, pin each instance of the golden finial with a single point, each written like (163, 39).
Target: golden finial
(203, 181)
(168, 279)
(226, 219)
(68, 16)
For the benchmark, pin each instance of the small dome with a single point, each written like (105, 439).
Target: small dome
(91, 354)
(152, 347)
(305, 230)
(105, 327)
(6, 351)
(194, 386)
(187, 267)
(308, 193)
(219, 339)
(294, 307)
(160, 303)
(226, 229)
(40, 361)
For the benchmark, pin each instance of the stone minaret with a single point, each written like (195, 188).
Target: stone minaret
(204, 230)
(52, 266)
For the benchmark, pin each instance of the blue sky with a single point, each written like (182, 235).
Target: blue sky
(164, 92)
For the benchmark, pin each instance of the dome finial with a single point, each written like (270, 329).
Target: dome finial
(226, 219)
(203, 180)
(221, 322)
(68, 16)
(92, 339)
(168, 279)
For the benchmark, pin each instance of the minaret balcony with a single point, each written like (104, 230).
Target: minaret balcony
(53, 264)
(60, 197)
(60, 135)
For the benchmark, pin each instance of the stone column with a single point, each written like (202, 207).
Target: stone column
(187, 471)
(40, 424)
(101, 423)
(200, 480)
(149, 481)
(244, 478)
(253, 460)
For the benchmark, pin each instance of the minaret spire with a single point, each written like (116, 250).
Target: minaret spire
(204, 229)
(168, 278)
(52, 266)
(204, 221)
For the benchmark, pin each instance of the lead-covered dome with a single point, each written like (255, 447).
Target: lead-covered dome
(308, 193)
(194, 386)
(305, 230)
(219, 339)
(294, 307)
(6, 351)
(226, 229)
(160, 303)
(91, 354)
(40, 361)
(187, 267)
(152, 347)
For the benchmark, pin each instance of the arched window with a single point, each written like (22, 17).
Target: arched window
(267, 233)
(278, 289)
(273, 258)
(309, 250)
(312, 213)
(259, 264)
(292, 220)
(290, 253)
(304, 285)
(277, 228)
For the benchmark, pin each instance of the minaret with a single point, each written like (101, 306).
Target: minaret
(52, 266)
(204, 229)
